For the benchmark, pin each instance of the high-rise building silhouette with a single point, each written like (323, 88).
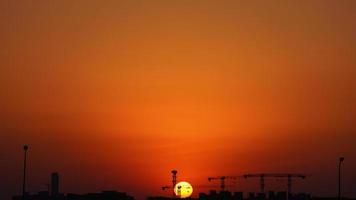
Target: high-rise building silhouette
(54, 184)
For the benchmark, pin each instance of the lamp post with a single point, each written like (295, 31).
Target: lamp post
(341, 159)
(25, 148)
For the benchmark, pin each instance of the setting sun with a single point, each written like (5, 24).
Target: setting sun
(183, 189)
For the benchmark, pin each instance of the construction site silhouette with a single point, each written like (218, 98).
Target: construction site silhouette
(53, 192)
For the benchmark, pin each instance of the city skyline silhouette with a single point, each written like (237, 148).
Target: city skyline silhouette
(282, 193)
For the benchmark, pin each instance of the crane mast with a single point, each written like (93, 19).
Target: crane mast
(289, 177)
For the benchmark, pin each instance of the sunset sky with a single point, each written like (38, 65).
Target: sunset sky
(114, 94)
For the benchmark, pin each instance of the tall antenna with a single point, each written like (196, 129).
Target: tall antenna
(174, 179)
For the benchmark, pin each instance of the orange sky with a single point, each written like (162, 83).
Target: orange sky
(115, 94)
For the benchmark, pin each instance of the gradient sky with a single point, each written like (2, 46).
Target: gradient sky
(115, 94)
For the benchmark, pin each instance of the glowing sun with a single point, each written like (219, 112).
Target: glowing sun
(183, 189)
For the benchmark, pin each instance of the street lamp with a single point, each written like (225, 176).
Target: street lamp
(25, 148)
(341, 159)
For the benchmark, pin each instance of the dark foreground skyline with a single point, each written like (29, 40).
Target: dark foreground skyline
(53, 188)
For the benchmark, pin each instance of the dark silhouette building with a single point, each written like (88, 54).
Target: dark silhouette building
(226, 195)
(43, 195)
(105, 195)
(54, 184)
(54, 194)
(168, 198)
(222, 195)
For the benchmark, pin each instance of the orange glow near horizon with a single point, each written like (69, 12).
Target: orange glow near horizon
(115, 94)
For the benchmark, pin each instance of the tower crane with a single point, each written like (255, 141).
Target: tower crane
(289, 177)
(174, 182)
(222, 180)
(174, 179)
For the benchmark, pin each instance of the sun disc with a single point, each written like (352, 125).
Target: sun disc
(183, 189)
